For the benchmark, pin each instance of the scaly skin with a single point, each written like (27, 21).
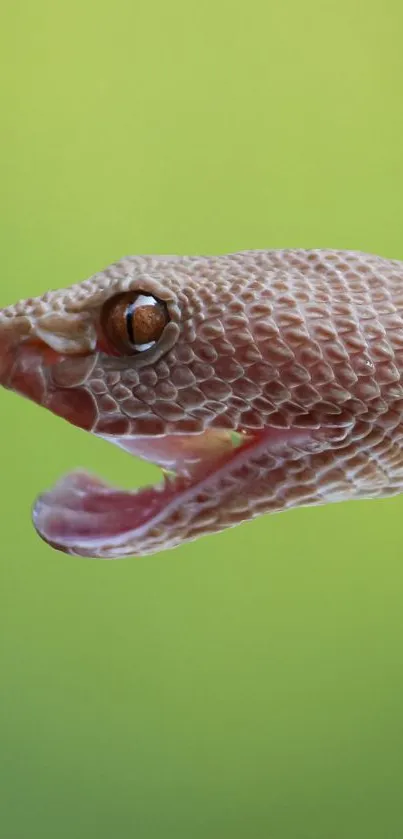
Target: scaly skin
(299, 352)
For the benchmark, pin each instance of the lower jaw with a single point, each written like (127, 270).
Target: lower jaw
(84, 516)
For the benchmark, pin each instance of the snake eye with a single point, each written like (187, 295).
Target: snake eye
(133, 321)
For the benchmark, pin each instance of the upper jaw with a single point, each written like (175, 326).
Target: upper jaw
(43, 339)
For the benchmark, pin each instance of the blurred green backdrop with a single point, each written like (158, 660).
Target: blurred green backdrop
(248, 685)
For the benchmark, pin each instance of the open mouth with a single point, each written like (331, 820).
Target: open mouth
(206, 477)
(211, 479)
(297, 351)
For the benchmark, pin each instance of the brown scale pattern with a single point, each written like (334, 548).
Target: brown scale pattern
(287, 340)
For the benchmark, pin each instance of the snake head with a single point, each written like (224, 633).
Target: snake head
(258, 381)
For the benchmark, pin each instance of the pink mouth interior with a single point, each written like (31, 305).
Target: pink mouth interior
(82, 514)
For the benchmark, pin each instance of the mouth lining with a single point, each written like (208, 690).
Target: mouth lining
(83, 515)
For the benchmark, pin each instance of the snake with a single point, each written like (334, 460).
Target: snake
(257, 381)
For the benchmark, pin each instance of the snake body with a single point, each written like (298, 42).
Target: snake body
(276, 383)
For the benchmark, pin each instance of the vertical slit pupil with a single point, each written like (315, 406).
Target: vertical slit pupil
(129, 322)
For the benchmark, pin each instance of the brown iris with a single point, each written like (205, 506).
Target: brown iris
(133, 321)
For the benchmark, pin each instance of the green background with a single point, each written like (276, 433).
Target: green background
(247, 685)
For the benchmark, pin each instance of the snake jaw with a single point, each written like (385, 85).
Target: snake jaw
(299, 352)
(83, 515)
